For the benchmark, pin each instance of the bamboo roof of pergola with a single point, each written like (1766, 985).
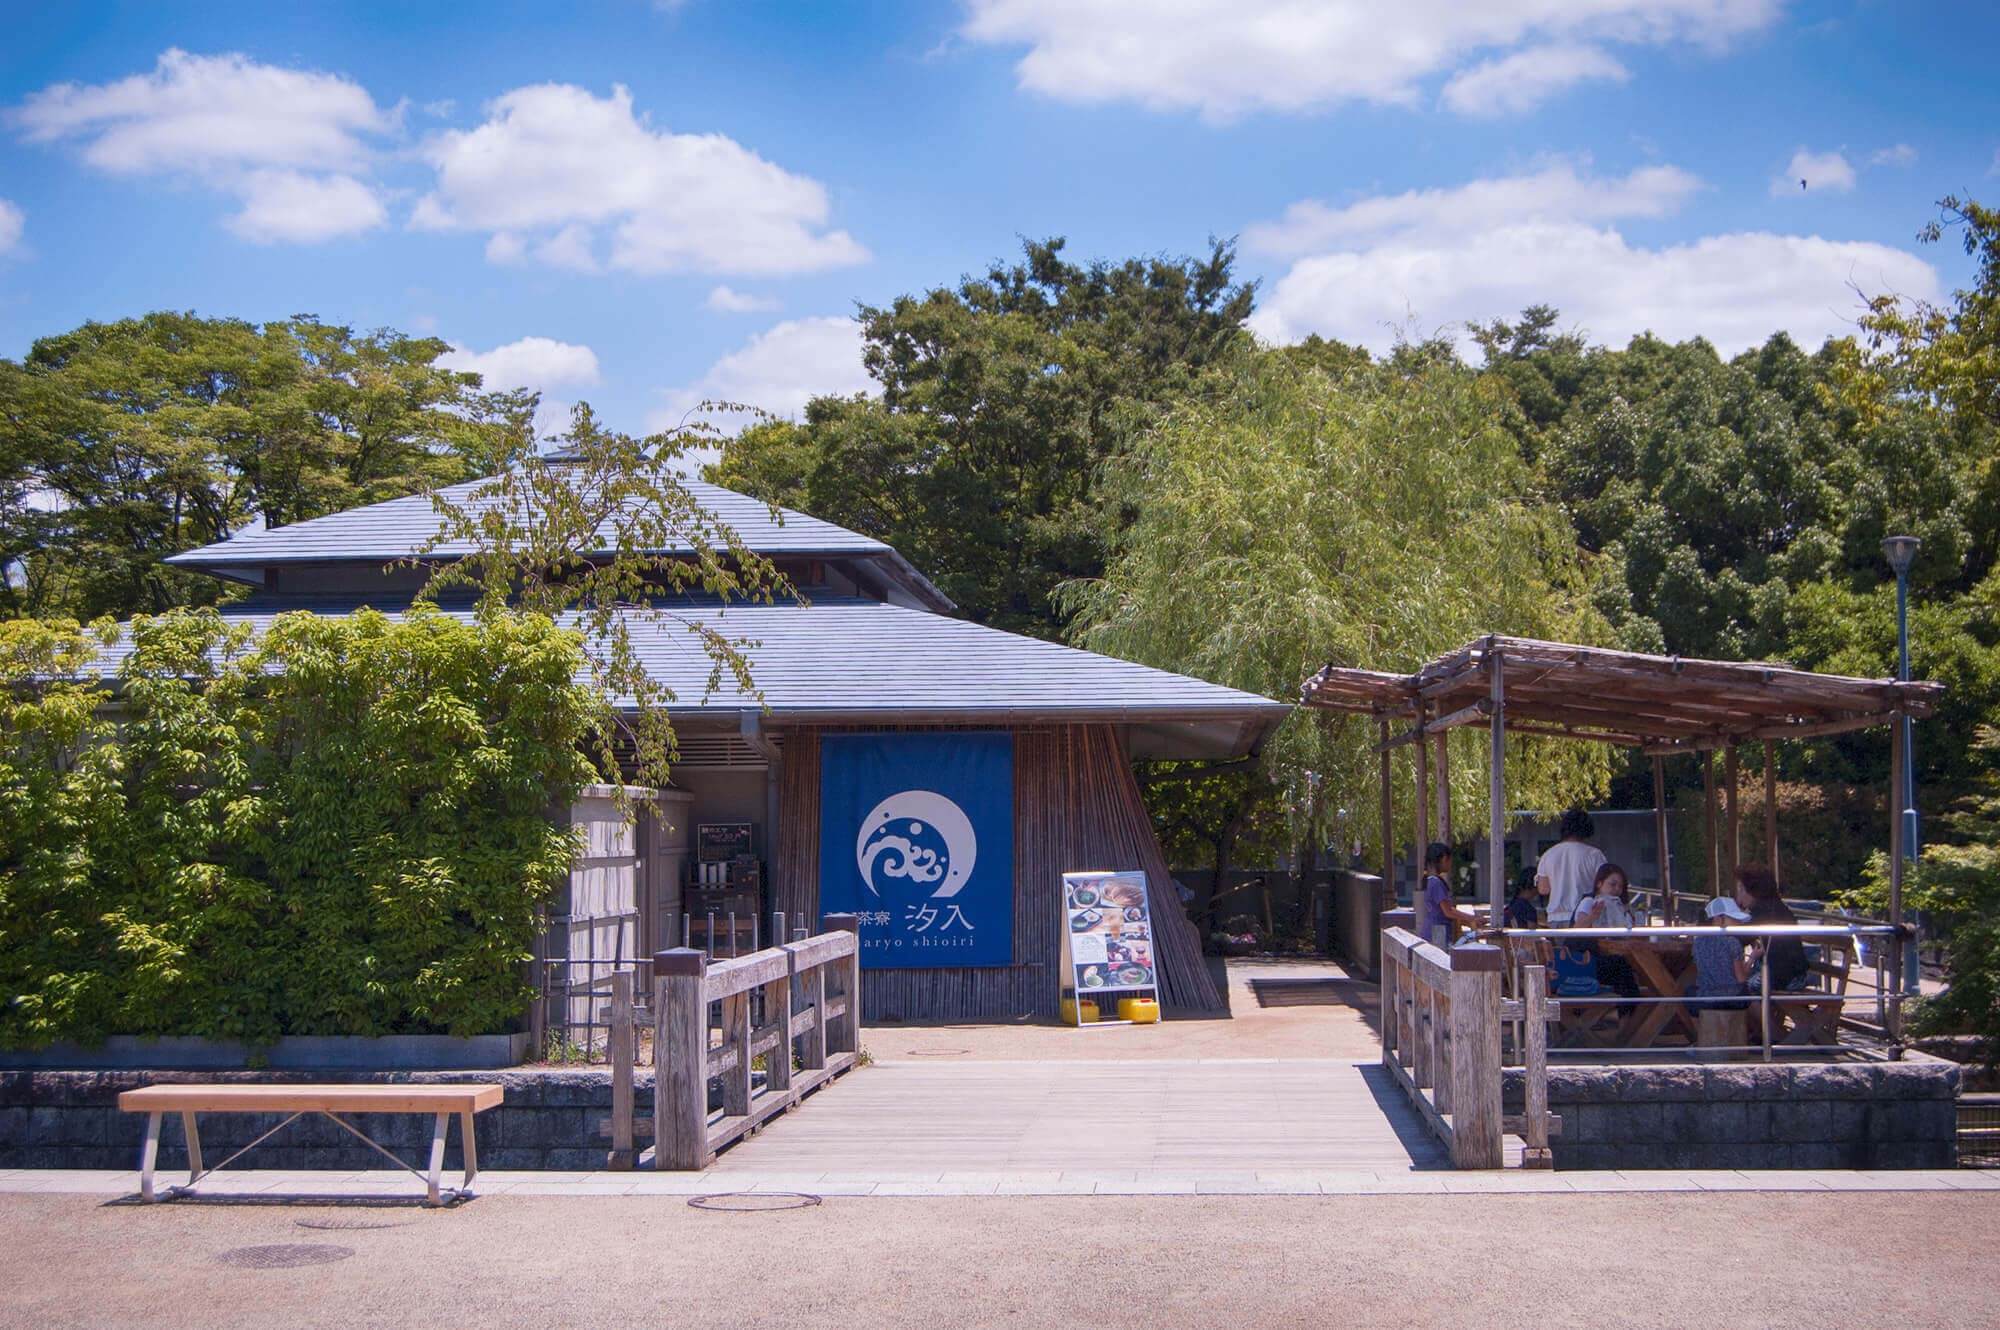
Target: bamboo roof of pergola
(1662, 704)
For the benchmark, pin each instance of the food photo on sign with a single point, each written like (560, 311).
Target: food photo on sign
(1109, 934)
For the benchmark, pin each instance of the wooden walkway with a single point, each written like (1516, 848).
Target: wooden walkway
(1154, 1118)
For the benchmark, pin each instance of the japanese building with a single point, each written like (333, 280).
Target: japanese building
(933, 776)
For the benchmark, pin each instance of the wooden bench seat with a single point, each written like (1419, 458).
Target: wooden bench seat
(443, 1102)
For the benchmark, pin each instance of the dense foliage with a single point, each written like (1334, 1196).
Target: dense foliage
(1287, 515)
(342, 828)
(1000, 400)
(123, 443)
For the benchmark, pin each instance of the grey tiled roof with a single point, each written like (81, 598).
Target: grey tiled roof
(399, 527)
(849, 659)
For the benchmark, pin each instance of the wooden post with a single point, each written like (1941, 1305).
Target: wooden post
(844, 1035)
(680, 1060)
(1423, 1058)
(812, 998)
(1733, 843)
(1442, 763)
(1475, 1056)
(1714, 845)
(1496, 791)
(1771, 808)
(778, 1013)
(1389, 822)
(736, 1035)
(1422, 754)
(621, 1070)
(1662, 851)
(1535, 1067)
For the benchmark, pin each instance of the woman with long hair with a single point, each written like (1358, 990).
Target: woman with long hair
(1757, 893)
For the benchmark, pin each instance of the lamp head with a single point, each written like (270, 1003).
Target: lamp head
(1900, 551)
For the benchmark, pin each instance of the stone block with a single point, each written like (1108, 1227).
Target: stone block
(1720, 1122)
(1666, 1084)
(1847, 1121)
(575, 1158)
(1639, 1122)
(1724, 1154)
(1914, 1154)
(1725, 1084)
(13, 1128)
(1583, 1124)
(1820, 1154)
(1928, 1079)
(511, 1158)
(1801, 1121)
(1823, 1081)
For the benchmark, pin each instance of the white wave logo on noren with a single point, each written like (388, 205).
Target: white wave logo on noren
(920, 837)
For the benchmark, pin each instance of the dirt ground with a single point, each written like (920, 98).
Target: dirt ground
(1736, 1259)
(1318, 1013)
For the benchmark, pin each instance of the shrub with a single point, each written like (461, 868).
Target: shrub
(343, 828)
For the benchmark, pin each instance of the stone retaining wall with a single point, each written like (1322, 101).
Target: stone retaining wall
(1876, 1115)
(70, 1119)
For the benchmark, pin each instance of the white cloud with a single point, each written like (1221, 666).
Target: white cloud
(1524, 80)
(304, 209)
(1810, 172)
(725, 301)
(1437, 260)
(541, 363)
(533, 362)
(1556, 191)
(1226, 58)
(777, 371)
(287, 142)
(554, 171)
(12, 224)
(1900, 155)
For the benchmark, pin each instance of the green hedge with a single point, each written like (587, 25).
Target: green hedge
(339, 829)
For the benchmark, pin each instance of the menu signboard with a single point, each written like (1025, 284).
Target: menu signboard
(1107, 938)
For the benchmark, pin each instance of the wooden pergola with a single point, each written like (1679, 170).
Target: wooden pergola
(1661, 705)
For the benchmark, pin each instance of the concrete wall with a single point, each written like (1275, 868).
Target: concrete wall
(70, 1119)
(1878, 1115)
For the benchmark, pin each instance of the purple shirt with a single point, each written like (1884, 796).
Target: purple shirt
(1436, 893)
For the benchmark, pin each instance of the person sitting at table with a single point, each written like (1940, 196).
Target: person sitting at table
(1720, 963)
(1785, 957)
(1440, 918)
(1565, 870)
(1521, 909)
(1605, 907)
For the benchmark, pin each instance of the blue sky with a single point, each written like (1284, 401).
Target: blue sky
(644, 204)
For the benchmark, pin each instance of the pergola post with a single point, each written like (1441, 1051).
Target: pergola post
(1734, 842)
(1443, 778)
(1661, 850)
(1388, 815)
(1422, 751)
(1771, 808)
(1496, 784)
(1714, 845)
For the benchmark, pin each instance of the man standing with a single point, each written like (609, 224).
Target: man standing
(1567, 872)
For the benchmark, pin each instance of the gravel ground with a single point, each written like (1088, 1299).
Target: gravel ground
(1749, 1259)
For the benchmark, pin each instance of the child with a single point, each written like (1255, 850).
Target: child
(1439, 919)
(1521, 911)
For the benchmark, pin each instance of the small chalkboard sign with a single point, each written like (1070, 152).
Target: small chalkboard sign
(719, 842)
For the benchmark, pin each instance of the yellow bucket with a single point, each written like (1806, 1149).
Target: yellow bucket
(1139, 1011)
(1069, 1006)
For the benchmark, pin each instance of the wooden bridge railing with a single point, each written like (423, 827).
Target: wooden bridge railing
(800, 1000)
(1441, 1018)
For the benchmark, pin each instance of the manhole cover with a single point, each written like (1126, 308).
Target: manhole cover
(760, 1200)
(350, 1222)
(939, 1052)
(281, 1254)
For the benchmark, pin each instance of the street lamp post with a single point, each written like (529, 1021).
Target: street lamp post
(1901, 551)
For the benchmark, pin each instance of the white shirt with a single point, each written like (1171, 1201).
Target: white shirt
(1571, 868)
(1604, 912)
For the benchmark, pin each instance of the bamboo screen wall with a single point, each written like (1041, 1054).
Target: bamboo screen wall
(1076, 806)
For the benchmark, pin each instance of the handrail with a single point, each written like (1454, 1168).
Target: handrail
(1441, 1020)
(804, 1018)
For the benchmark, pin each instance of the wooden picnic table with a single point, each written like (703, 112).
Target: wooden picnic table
(1664, 969)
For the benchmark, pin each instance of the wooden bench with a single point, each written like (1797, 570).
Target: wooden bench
(442, 1101)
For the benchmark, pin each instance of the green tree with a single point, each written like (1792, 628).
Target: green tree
(1377, 518)
(127, 442)
(1001, 399)
(604, 535)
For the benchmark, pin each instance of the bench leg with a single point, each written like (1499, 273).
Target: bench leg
(468, 1143)
(149, 1152)
(193, 1145)
(437, 1154)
